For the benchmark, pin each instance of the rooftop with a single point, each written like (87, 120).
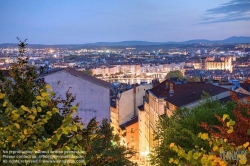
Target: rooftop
(81, 75)
(87, 77)
(141, 107)
(128, 123)
(185, 93)
(245, 86)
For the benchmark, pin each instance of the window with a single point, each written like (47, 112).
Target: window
(132, 147)
(132, 130)
(132, 138)
(167, 105)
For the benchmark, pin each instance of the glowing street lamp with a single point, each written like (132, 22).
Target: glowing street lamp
(145, 154)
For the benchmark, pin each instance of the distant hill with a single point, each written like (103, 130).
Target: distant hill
(237, 39)
(124, 43)
(233, 40)
(197, 41)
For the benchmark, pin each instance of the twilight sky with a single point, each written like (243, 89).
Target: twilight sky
(88, 21)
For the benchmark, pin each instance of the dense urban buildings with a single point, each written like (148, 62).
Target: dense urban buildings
(127, 85)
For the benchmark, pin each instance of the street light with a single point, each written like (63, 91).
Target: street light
(145, 154)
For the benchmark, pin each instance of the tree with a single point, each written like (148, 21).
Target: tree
(26, 108)
(228, 142)
(24, 86)
(240, 132)
(89, 72)
(223, 152)
(175, 73)
(193, 79)
(21, 128)
(183, 127)
(103, 148)
(21, 88)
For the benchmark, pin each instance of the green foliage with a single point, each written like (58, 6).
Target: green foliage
(103, 148)
(175, 73)
(20, 88)
(222, 152)
(89, 72)
(21, 128)
(28, 112)
(193, 79)
(183, 127)
(2, 76)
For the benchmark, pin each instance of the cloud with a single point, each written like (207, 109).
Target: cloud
(235, 10)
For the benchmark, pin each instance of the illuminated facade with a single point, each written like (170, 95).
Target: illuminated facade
(211, 63)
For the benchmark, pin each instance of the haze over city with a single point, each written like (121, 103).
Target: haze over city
(79, 22)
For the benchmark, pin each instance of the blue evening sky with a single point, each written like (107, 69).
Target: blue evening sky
(87, 21)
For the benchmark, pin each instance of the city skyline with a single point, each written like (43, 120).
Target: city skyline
(80, 22)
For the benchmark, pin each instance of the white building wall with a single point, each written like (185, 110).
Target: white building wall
(126, 103)
(93, 99)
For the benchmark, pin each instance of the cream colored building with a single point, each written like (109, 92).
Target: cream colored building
(167, 97)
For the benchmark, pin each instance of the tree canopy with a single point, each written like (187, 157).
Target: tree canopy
(183, 127)
(175, 73)
(229, 142)
(89, 72)
(193, 79)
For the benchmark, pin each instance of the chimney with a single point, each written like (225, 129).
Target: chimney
(171, 89)
(155, 82)
(167, 84)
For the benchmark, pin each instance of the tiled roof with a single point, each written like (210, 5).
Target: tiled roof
(51, 72)
(128, 123)
(191, 95)
(245, 86)
(185, 93)
(87, 77)
(228, 98)
(161, 91)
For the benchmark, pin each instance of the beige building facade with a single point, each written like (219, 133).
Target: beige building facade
(164, 99)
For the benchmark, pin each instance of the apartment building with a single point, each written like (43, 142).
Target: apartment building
(166, 97)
